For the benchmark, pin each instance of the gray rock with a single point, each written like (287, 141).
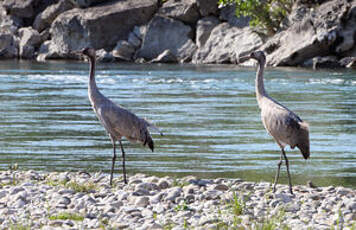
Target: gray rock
(20, 8)
(134, 40)
(8, 46)
(29, 37)
(64, 200)
(147, 186)
(212, 194)
(228, 14)
(165, 33)
(316, 35)
(286, 198)
(204, 28)
(165, 57)
(207, 7)
(44, 19)
(157, 198)
(100, 26)
(123, 51)
(221, 187)
(326, 62)
(142, 201)
(292, 208)
(48, 50)
(3, 193)
(225, 43)
(173, 193)
(66, 191)
(87, 3)
(104, 56)
(140, 31)
(15, 190)
(182, 10)
(163, 184)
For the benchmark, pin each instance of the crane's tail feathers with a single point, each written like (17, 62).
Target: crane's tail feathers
(149, 142)
(303, 144)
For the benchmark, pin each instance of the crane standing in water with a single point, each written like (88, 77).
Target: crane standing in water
(281, 123)
(117, 121)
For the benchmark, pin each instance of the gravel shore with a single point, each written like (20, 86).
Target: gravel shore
(79, 200)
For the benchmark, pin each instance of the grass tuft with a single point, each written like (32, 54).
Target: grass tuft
(67, 216)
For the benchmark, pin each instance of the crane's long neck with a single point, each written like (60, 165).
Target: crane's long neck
(93, 90)
(260, 88)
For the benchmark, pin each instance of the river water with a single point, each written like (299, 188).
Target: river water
(208, 114)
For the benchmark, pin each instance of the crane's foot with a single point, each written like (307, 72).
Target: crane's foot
(291, 190)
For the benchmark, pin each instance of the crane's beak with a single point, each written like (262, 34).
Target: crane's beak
(243, 59)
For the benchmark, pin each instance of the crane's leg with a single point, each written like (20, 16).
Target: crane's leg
(113, 159)
(277, 174)
(123, 162)
(289, 179)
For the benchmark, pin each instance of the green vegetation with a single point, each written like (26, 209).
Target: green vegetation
(182, 207)
(67, 216)
(19, 227)
(88, 187)
(267, 15)
(78, 187)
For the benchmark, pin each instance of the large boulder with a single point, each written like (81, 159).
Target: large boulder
(228, 14)
(204, 28)
(183, 10)
(48, 50)
(225, 43)
(87, 3)
(320, 33)
(123, 50)
(9, 23)
(8, 46)
(30, 39)
(46, 17)
(27, 9)
(100, 26)
(165, 57)
(207, 7)
(166, 33)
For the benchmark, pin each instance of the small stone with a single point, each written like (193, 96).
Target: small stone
(147, 213)
(16, 190)
(163, 184)
(3, 193)
(66, 191)
(155, 226)
(221, 187)
(142, 201)
(173, 194)
(292, 208)
(286, 198)
(117, 204)
(130, 209)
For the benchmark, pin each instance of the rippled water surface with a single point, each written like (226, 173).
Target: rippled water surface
(208, 114)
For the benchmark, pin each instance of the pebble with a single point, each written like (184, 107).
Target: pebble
(149, 202)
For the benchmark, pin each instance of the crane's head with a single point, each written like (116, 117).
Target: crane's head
(257, 55)
(89, 52)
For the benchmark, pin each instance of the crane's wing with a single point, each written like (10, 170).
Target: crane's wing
(286, 127)
(120, 122)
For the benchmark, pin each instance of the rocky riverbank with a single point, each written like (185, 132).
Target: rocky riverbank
(317, 33)
(80, 200)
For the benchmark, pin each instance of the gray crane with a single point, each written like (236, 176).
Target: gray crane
(281, 123)
(118, 121)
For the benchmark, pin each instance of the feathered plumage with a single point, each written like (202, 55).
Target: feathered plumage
(281, 123)
(117, 121)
